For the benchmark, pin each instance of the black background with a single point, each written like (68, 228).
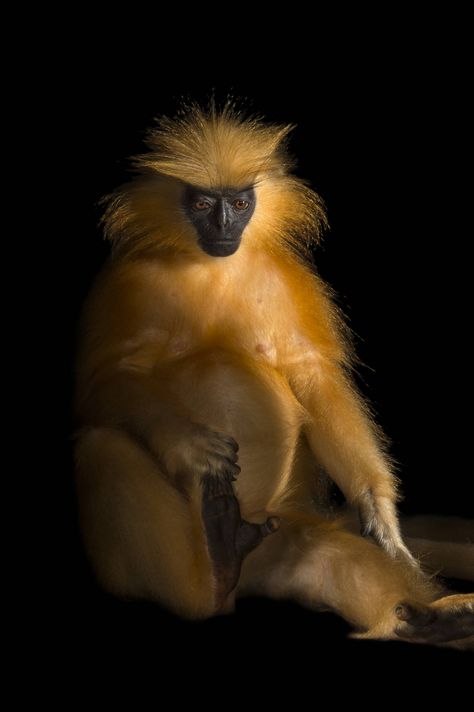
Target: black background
(383, 135)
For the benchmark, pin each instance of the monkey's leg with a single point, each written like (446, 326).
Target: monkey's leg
(143, 537)
(146, 539)
(323, 566)
(443, 545)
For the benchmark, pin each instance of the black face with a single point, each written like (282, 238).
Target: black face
(219, 217)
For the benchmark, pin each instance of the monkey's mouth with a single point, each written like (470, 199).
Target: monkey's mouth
(220, 248)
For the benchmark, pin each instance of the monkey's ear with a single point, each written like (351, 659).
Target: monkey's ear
(133, 212)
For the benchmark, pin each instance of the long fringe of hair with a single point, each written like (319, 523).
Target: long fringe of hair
(214, 149)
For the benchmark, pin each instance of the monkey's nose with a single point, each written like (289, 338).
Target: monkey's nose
(220, 215)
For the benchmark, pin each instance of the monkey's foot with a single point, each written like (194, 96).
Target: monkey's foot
(229, 537)
(448, 619)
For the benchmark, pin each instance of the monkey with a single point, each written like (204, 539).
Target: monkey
(215, 396)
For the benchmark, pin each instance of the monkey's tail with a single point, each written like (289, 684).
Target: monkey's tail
(444, 545)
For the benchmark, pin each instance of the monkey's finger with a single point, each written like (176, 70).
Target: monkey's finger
(234, 471)
(230, 441)
(228, 468)
(221, 466)
(366, 517)
(234, 444)
(223, 461)
(224, 450)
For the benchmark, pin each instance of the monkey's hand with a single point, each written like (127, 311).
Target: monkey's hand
(379, 519)
(192, 450)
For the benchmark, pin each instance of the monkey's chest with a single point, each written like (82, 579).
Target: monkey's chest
(258, 346)
(271, 336)
(276, 346)
(259, 322)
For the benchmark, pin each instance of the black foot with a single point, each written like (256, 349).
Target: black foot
(229, 537)
(451, 618)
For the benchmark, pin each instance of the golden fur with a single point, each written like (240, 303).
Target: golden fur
(180, 349)
(214, 150)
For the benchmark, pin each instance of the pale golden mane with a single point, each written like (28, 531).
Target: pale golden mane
(214, 149)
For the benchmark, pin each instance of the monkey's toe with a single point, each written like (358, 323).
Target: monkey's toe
(449, 618)
(270, 526)
(416, 614)
(250, 535)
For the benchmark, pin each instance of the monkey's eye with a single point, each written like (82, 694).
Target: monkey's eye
(241, 204)
(201, 205)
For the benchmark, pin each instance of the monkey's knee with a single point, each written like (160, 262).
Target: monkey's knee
(96, 447)
(144, 540)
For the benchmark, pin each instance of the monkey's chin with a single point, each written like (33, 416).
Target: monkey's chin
(220, 249)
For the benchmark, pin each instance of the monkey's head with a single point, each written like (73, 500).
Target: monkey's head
(211, 182)
(219, 216)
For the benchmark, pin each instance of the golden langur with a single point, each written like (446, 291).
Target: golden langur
(214, 396)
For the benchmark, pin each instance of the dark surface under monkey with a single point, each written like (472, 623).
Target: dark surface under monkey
(264, 362)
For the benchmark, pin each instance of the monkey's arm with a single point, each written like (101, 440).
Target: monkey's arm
(121, 380)
(131, 400)
(349, 445)
(136, 402)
